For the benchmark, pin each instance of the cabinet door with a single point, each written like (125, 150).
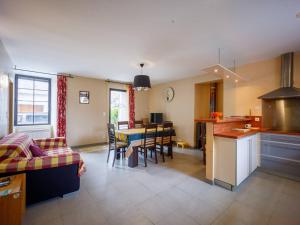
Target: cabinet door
(225, 160)
(253, 153)
(242, 159)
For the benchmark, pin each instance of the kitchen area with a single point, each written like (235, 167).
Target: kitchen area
(238, 145)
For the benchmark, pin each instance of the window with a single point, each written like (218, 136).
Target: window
(32, 100)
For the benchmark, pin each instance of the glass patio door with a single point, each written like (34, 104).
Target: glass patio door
(118, 110)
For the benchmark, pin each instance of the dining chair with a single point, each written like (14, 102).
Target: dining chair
(149, 142)
(138, 124)
(165, 140)
(118, 147)
(123, 125)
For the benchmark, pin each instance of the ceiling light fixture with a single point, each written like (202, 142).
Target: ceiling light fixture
(141, 82)
(223, 71)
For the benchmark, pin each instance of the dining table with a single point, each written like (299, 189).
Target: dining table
(134, 138)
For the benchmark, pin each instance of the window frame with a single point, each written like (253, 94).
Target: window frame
(27, 77)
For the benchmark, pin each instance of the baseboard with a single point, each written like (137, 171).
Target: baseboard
(89, 145)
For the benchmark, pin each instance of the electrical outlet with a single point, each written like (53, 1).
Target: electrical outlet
(257, 119)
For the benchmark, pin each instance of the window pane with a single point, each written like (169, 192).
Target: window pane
(25, 106)
(40, 107)
(25, 112)
(40, 112)
(25, 95)
(25, 118)
(40, 96)
(41, 118)
(25, 83)
(41, 85)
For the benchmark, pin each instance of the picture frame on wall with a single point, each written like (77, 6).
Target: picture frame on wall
(84, 97)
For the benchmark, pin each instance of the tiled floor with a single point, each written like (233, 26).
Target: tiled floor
(169, 193)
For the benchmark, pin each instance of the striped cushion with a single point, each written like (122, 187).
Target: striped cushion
(54, 158)
(51, 143)
(15, 145)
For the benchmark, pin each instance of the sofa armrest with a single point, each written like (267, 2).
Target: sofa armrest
(51, 143)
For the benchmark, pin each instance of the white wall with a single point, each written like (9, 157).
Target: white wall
(5, 70)
(86, 124)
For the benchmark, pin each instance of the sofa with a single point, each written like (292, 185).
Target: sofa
(54, 174)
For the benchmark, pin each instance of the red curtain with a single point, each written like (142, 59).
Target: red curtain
(131, 106)
(61, 105)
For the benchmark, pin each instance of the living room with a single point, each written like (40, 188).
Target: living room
(149, 112)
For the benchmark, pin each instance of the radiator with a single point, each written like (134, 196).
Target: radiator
(35, 132)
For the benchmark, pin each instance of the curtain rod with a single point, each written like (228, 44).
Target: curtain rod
(117, 82)
(33, 71)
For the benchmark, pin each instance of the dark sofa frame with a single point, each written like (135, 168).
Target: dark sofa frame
(44, 184)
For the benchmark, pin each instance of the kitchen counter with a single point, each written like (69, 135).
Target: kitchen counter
(236, 134)
(225, 120)
(265, 130)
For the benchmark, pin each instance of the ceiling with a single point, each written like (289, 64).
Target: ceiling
(108, 38)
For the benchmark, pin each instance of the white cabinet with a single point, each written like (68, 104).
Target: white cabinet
(235, 159)
(253, 143)
(242, 159)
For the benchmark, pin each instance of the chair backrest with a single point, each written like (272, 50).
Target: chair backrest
(111, 135)
(138, 124)
(166, 137)
(150, 136)
(123, 125)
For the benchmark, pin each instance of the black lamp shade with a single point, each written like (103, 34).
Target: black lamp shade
(141, 82)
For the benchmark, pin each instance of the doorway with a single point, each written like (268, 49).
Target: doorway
(118, 106)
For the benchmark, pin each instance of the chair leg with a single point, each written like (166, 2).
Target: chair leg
(108, 156)
(162, 152)
(115, 156)
(170, 149)
(155, 154)
(145, 157)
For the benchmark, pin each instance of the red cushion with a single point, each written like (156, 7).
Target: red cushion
(36, 150)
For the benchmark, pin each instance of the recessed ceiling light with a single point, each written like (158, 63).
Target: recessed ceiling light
(236, 81)
(227, 76)
(216, 70)
(298, 15)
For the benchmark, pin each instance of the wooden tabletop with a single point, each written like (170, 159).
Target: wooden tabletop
(134, 131)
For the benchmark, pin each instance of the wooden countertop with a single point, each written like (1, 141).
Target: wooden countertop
(225, 120)
(236, 134)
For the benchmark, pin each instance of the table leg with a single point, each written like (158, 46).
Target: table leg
(133, 158)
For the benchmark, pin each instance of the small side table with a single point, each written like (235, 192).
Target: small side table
(12, 200)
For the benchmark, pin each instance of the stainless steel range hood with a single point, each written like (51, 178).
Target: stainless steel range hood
(287, 89)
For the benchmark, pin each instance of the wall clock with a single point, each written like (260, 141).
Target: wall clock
(169, 94)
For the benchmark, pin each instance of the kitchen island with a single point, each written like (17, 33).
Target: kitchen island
(232, 152)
